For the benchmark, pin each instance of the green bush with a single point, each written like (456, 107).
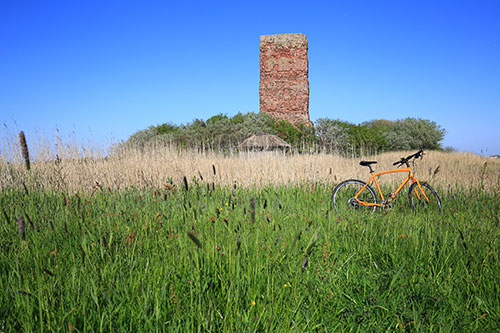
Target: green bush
(295, 136)
(333, 135)
(410, 133)
(166, 129)
(344, 137)
(221, 132)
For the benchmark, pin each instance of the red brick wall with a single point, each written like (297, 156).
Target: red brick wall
(284, 83)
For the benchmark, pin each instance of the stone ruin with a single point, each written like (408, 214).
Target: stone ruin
(284, 83)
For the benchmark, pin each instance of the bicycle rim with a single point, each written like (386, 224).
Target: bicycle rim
(419, 202)
(343, 196)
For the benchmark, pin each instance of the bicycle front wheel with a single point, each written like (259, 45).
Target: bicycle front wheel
(343, 196)
(429, 203)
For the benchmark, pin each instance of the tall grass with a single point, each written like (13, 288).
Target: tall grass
(74, 168)
(196, 260)
(160, 239)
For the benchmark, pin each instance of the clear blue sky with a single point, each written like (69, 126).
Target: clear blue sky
(102, 70)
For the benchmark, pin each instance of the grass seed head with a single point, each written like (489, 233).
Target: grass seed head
(194, 239)
(22, 227)
(436, 171)
(277, 239)
(252, 210)
(24, 150)
(304, 265)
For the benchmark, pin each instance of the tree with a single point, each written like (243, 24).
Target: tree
(333, 134)
(366, 139)
(166, 128)
(414, 133)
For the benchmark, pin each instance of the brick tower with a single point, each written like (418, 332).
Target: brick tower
(284, 83)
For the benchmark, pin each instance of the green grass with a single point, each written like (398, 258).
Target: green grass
(201, 260)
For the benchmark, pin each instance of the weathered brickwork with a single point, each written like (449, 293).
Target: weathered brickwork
(284, 83)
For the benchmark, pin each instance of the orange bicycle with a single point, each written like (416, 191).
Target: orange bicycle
(358, 195)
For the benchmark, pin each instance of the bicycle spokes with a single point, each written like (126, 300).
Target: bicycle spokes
(424, 198)
(353, 195)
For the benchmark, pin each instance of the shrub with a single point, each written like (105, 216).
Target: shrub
(221, 132)
(333, 135)
(217, 132)
(300, 135)
(341, 136)
(410, 133)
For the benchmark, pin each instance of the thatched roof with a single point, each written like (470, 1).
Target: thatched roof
(264, 142)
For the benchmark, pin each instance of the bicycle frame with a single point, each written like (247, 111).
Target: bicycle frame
(374, 177)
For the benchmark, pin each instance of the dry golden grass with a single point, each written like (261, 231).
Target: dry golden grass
(156, 167)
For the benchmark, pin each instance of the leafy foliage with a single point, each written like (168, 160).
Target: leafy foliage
(333, 134)
(410, 133)
(221, 132)
(341, 136)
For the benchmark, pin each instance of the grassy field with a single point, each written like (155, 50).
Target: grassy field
(245, 259)
(248, 242)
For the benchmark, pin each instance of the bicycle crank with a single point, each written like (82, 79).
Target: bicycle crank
(387, 205)
(354, 203)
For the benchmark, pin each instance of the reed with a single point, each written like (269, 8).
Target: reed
(156, 166)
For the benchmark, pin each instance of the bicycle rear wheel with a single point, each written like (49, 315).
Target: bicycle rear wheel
(343, 196)
(420, 203)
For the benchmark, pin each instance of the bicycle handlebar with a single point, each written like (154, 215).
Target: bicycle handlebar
(405, 160)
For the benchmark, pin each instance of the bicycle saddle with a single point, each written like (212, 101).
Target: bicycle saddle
(367, 163)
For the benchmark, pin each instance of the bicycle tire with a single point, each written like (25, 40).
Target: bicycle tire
(343, 196)
(434, 204)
